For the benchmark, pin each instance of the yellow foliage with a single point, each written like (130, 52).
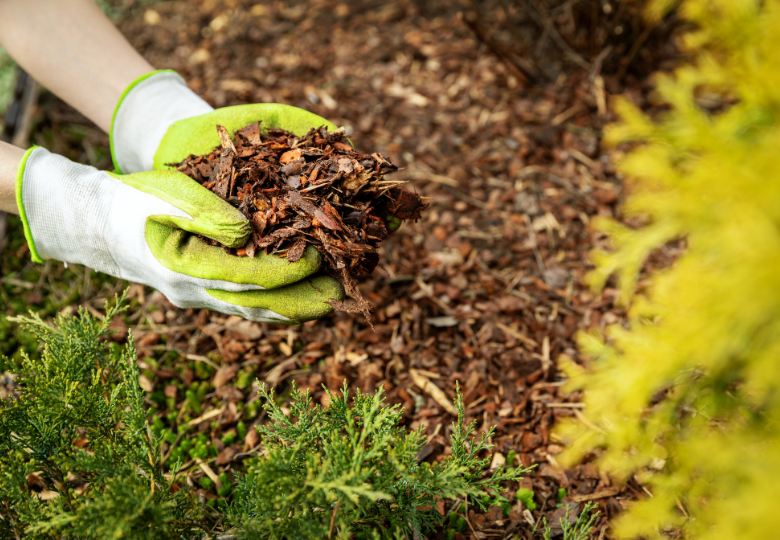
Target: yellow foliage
(688, 397)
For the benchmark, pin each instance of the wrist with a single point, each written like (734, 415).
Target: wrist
(143, 115)
(11, 158)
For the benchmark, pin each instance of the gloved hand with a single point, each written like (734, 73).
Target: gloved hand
(159, 120)
(138, 227)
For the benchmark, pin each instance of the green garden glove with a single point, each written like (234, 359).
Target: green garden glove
(160, 121)
(143, 227)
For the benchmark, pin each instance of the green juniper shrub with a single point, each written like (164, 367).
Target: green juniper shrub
(349, 470)
(80, 419)
(68, 287)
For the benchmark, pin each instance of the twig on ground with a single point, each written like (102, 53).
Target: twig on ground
(548, 26)
(523, 73)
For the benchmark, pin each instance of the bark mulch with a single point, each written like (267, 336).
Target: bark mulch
(315, 190)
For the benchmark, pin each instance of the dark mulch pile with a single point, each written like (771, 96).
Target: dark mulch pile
(486, 288)
(315, 190)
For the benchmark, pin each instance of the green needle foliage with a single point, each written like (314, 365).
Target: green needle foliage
(689, 394)
(78, 458)
(351, 469)
(80, 424)
(580, 529)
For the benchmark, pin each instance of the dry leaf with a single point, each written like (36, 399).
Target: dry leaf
(224, 374)
(145, 383)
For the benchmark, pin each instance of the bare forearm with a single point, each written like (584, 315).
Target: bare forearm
(10, 158)
(72, 49)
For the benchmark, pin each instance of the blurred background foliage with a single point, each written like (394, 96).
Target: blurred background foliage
(7, 77)
(688, 392)
(542, 40)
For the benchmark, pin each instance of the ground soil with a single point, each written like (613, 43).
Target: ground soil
(487, 289)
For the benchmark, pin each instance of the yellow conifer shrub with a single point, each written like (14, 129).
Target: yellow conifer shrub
(688, 396)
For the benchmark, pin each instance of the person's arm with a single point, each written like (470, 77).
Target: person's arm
(10, 158)
(72, 49)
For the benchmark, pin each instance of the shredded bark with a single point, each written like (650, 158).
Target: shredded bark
(314, 190)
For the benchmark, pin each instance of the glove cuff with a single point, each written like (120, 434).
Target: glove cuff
(144, 113)
(64, 207)
(20, 204)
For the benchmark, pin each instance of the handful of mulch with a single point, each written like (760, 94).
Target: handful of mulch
(313, 190)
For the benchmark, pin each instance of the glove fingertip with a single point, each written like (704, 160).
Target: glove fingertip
(307, 300)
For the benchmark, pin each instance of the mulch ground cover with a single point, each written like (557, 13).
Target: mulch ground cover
(486, 288)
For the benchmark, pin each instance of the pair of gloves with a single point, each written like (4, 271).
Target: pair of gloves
(138, 225)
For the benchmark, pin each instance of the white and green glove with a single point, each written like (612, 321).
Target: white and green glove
(139, 226)
(159, 121)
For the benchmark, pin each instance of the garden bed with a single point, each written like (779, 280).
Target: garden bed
(486, 288)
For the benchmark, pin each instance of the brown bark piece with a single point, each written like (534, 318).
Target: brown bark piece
(296, 252)
(292, 155)
(224, 172)
(251, 133)
(408, 206)
(224, 139)
(311, 209)
(224, 374)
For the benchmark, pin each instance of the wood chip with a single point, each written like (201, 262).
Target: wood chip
(276, 373)
(47, 495)
(608, 492)
(517, 335)
(502, 251)
(225, 373)
(207, 416)
(224, 139)
(566, 405)
(209, 472)
(434, 391)
(145, 384)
